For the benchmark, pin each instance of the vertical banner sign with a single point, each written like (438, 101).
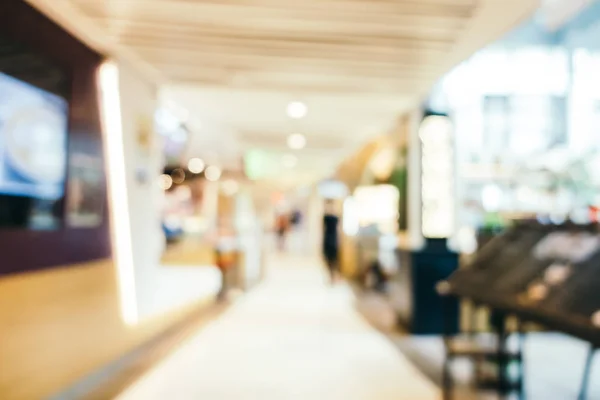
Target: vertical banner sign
(437, 177)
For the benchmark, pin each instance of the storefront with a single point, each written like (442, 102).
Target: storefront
(524, 112)
(526, 147)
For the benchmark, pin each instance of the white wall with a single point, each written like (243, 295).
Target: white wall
(315, 221)
(158, 288)
(250, 237)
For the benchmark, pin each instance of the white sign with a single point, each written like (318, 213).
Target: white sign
(437, 179)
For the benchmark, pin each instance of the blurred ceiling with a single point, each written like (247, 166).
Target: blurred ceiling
(236, 64)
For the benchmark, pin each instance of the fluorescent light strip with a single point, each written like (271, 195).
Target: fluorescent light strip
(117, 189)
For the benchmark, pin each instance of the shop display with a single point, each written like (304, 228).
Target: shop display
(529, 266)
(85, 204)
(526, 112)
(546, 274)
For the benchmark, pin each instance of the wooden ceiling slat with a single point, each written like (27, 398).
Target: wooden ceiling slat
(288, 29)
(234, 64)
(244, 70)
(376, 41)
(290, 18)
(305, 82)
(189, 54)
(223, 75)
(404, 7)
(402, 34)
(301, 89)
(155, 52)
(175, 73)
(208, 37)
(367, 12)
(455, 9)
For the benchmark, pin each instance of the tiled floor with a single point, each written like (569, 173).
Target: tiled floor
(293, 337)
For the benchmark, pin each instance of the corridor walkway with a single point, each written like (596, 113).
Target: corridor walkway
(293, 337)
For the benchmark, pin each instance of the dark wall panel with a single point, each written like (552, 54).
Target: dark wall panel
(25, 250)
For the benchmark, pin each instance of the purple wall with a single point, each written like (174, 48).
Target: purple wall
(24, 250)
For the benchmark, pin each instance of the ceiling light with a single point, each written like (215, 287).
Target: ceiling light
(289, 161)
(296, 141)
(165, 182)
(196, 165)
(297, 110)
(212, 173)
(178, 175)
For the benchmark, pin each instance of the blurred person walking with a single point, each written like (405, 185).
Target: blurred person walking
(330, 240)
(282, 227)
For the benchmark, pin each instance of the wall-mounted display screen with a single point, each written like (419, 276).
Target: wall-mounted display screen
(52, 175)
(33, 147)
(33, 154)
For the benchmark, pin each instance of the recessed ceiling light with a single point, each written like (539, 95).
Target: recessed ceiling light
(178, 175)
(297, 110)
(296, 141)
(289, 161)
(165, 182)
(212, 173)
(196, 165)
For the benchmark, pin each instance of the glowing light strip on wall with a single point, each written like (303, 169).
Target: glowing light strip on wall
(437, 177)
(117, 189)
